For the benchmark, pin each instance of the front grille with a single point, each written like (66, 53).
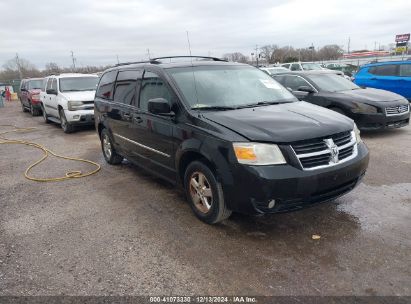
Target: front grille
(397, 110)
(325, 152)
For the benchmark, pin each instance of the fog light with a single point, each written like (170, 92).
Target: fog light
(271, 204)
(76, 117)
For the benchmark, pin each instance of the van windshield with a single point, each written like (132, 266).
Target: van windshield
(225, 87)
(75, 84)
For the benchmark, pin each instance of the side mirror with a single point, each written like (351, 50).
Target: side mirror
(159, 106)
(51, 91)
(306, 89)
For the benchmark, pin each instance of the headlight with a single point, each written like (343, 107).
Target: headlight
(74, 105)
(258, 154)
(357, 134)
(364, 108)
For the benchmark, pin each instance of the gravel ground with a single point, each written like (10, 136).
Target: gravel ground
(124, 232)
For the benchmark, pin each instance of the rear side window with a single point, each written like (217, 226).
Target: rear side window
(125, 91)
(384, 70)
(405, 70)
(106, 86)
(153, 87)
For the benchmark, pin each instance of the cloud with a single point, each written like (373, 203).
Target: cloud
(99, 30)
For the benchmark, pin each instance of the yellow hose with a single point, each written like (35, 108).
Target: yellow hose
(47, 152)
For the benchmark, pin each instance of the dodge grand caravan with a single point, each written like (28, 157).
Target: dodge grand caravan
(230, 135)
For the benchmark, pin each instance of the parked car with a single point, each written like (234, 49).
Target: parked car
(234, 138)
(347, 69)
(30, 90)
(394, 76)
(308, 66)
(69, 100)
(370, 108)
(273, 70)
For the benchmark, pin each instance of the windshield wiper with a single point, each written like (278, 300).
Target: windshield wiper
(218, 108)
(262, 103)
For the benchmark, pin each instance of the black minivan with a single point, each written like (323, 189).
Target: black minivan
(230, 135)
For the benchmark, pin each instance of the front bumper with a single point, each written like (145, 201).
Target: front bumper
(253, 187)
(80, 117)
(380, 121)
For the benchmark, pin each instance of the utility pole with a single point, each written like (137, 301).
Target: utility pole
(148, 53)
(19, 66)
(256, 54)
(74, 60)
(349, 43)
(118, 61)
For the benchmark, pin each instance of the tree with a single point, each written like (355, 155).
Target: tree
(52, 68)
(236, 57)
(17, 68)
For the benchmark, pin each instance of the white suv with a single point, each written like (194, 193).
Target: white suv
(68, 99)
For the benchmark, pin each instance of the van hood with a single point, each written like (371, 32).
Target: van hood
(370, 95)
(79, 96)
(282, 123)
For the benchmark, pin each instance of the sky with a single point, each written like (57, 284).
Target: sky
(97, 31)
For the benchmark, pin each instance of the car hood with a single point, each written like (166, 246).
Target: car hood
(79, 96)
(370, 95)
(282, 123)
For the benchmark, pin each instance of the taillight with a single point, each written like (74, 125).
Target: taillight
(35, 97)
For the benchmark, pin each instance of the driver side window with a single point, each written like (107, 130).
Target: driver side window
(152, 87)
(295, 82)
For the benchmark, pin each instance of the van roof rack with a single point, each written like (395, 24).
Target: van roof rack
(203, 57)
(152, 61)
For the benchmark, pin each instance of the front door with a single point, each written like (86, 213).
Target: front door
(152, 134)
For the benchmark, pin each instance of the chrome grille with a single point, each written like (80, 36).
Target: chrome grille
(325, 152)
(397, 110)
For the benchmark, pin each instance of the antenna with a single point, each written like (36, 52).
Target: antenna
(189, 46)
(192, 69)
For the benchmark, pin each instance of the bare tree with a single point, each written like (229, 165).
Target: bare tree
(52, 68)
(236, 57)
(16, 68)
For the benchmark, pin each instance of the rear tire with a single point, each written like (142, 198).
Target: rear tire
(205, 193)
(110, 154)
(65, 125)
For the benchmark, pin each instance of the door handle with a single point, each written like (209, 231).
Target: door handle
(373, 78)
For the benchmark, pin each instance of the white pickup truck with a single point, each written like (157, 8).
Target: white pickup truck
(68, 99)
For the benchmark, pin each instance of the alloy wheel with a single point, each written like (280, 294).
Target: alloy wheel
(107, 146)
(200, 191)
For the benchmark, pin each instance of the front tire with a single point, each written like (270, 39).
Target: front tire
(45, 116)
(23, 108)
(34, 111)
(110, 154)
(65, 125)
(205, 194)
